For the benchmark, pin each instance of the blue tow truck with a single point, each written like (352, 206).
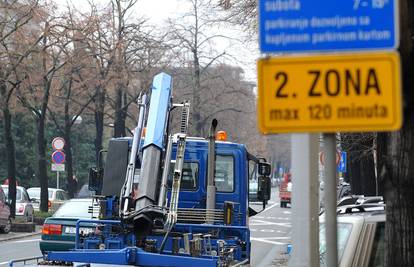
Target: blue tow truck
(169, 199)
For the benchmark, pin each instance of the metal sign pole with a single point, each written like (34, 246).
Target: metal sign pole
(57, 180)
(305, 201)
(330, 187)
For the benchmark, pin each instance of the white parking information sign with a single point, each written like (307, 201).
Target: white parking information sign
(58, 167)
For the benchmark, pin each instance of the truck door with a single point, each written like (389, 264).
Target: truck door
(229, 181)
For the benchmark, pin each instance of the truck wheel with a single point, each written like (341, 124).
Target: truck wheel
(282, 204)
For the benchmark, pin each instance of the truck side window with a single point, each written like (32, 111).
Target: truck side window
(189, 179)
(224, 178)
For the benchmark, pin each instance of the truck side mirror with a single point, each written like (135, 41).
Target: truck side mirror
(95, 179)
(264, 188)
(264, 169)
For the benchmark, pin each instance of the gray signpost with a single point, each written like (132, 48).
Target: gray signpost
(320, 26)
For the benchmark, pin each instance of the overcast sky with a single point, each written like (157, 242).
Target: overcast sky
(157, 11)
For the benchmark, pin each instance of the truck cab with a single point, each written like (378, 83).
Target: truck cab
(234, 166)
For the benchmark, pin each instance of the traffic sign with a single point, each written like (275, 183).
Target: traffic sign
(330, 93)
(58, 157)
(341, 167)
(58, 143)
(58, 167)
(326, 25)
(337, 160)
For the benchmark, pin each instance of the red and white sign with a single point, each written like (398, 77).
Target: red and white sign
(322, 157)
(58, 157)
(58, 143)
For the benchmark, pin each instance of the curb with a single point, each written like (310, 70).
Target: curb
(19, 236)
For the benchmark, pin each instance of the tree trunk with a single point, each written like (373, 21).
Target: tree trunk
(361, 166)
(120, 114)
(196, 112)
(11, 159)
(69, 163)
(396, 151)
(395, 155)
(42, 164)
(99, 121)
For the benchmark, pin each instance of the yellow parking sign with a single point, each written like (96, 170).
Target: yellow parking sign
(330, 93)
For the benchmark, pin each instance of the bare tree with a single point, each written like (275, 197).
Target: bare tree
(72, 94)
(121, 32)
(42, 71)
(14, 18)
(193, 44)
(241, 13)
(95, 44)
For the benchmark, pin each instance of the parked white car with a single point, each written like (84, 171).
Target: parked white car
(56, 197)
(360, 234)
(23, 205)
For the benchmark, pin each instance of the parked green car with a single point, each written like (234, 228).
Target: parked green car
(58, 233)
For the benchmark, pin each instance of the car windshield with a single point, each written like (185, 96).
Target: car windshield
(74, 209)
(35, 193)
(18, 193)
(344, 231)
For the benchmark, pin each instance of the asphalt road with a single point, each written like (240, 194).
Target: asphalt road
(270, 233)
(17, 249)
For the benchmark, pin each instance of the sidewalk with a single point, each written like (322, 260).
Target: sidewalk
(13, 235)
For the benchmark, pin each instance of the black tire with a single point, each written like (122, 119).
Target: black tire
(282, 204)
(6, 229)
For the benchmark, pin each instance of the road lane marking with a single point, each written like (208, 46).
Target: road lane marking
(263, 223)
(267, 241)
(287, 212)
(278, 237)
(271, 206)
(26, 241)
(283, 218)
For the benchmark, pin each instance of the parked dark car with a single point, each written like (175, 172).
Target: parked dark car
(58, 233)
(5, 220)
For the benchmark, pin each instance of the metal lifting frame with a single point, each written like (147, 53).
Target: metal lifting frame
(185, 113)
(136, 147)
(180, 138)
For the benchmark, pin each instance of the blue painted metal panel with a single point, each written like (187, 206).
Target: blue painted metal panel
(131, 256)
(326, 25)
(149, 259)
(78, 223)
(158, 110)
(122, 257)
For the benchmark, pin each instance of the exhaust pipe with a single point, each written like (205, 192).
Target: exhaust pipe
(211, 172)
